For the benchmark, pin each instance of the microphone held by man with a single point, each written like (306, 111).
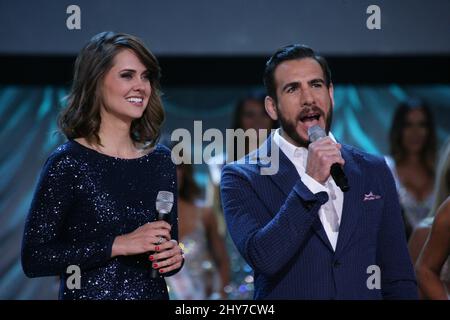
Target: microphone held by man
(316, 133)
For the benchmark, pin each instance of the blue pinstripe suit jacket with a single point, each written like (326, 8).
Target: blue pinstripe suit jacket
(274, 222)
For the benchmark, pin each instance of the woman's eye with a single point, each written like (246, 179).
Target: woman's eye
(127, 75)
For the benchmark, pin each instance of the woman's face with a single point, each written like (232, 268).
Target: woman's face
(254, 116)
(126, 87)
(415, 131)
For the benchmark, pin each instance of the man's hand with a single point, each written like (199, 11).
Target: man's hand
(322, 154)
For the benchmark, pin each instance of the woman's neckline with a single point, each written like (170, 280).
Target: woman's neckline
(82, 146)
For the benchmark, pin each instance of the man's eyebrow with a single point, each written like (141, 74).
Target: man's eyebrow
(318, 80)
(293, 84)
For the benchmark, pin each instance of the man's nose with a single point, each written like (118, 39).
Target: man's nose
(307, 97)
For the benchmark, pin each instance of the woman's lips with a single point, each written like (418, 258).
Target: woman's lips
(136, 101)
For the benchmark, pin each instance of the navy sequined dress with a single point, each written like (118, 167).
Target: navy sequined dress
(83, 200)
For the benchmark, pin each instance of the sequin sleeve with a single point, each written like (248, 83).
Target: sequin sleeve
(174, 217)
(45, 251)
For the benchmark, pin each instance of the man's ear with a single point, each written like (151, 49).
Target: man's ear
(271, 108)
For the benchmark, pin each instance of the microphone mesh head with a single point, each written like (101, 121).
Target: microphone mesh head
(315, 133)
(164, 201)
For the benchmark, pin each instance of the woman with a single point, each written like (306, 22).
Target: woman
(94, 205)
(433, 263)
(249, 114)
(413, 150)
(206, 272)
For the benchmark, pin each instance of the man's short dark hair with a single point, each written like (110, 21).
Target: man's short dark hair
(291, 52)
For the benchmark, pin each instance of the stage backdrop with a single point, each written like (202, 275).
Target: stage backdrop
(28, 121)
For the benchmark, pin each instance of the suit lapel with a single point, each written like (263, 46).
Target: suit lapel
(351, 210)
(285, 179)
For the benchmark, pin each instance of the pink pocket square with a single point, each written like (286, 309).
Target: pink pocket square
(371, 196)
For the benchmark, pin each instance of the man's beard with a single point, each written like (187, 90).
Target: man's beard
(289, 127)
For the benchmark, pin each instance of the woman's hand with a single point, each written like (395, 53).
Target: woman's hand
(168, 257)
(145, 238)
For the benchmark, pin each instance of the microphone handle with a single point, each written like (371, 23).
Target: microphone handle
(339, 177)
(155, 273)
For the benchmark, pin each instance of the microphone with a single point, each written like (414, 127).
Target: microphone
(315, 133)
(164, 204)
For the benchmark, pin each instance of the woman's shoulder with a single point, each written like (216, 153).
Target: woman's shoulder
(68, 149)
(163, 152)
(63, 156)
(161, 149)
(59, 163)
(443, 213)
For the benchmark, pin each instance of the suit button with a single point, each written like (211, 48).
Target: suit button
(336, 264)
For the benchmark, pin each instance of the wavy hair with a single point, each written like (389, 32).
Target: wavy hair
(82, 118)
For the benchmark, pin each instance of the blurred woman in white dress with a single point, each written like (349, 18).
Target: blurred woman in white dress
(206, 271)
(412, 160)
(433, 261)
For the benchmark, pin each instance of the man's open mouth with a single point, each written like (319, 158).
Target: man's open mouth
(310, 117)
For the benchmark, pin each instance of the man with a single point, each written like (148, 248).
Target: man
(304, 237)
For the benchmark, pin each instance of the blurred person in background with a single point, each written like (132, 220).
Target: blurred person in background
(412, 161)
(206, 271)
(431, 251)
(249, 113)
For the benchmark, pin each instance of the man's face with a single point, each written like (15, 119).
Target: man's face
(304, 100)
